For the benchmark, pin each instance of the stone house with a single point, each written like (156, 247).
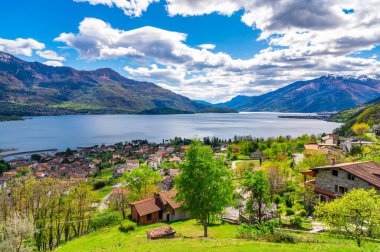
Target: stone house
(127, 167)
(330, 140)
(334, 180)
(160, 208)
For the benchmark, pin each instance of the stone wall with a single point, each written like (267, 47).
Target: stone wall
(325, 180)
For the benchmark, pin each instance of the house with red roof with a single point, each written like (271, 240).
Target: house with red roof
(160, 208)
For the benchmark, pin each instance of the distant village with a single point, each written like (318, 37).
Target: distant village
(81, 164)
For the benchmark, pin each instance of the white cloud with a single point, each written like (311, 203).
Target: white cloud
(306, 39)
(207, 46)
(20, 46)
(50, 55)
(130, 7)
(53, 63)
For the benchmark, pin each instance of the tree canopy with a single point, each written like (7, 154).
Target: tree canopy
(357, 214)
(204, 184)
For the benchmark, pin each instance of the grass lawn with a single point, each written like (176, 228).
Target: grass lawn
(101, 193)
(188, 238)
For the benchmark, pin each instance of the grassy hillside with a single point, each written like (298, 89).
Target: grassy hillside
(369, 114)
(222, 238)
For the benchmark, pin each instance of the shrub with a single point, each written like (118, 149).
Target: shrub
(281, 237)
(302, 213)
(296, 222)
(289, 211)
(99, 183)
(257, 231)
(127, 226)
(105, 219)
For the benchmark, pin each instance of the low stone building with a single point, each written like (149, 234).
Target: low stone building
(334, 180)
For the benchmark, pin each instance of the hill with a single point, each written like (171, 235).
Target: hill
(325, 94)
(222, 238)
(367, 113)
(32, 88)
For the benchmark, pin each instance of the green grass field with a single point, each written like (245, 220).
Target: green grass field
(188, 238)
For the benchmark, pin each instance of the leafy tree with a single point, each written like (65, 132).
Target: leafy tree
(360, 128)
(204, 184)
(278, 174)
(308, 196)
(142, 182)
(4, 166)
(16, 231)
(357, 214)
(257, 185)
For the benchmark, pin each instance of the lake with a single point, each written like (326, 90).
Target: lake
(87, 130)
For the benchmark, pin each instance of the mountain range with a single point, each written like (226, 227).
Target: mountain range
(32, 88)
(324, 94)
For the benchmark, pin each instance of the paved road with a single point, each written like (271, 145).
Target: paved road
(103, 205)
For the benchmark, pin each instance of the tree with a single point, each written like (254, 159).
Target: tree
(204, 184)
(142, 182)
(257, 185)
(308, 196)
(357, 214)
(360, 128)
(16, 231)
(4, 166)
(278, 173)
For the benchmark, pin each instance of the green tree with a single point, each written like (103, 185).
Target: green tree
(357, 214)
(204, 185)
(142, 182)
(257, 185)
(360, 128)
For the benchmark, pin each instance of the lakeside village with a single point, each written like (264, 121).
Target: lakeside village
(277, 185)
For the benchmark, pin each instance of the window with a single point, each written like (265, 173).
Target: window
(335, 173)
(160, 213)
(149, 217)
(351, 177)
(341, 189)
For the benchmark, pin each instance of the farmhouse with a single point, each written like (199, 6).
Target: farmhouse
(334, 180)
(161, 207)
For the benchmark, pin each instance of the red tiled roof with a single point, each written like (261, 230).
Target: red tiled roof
(147, 206)
(168, 198)
(151, 205)
(365, 170)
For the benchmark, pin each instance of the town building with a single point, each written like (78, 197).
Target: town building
(336, 179)
(160, 208)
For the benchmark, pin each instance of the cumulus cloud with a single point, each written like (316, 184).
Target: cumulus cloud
(130, 7)
(53, 63)
(207, 46)
(50, 55)
(306, 39)
(20, 46)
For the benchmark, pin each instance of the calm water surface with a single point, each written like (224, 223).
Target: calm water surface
(87, 130)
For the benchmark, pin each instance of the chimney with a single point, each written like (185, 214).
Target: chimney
(332, 161)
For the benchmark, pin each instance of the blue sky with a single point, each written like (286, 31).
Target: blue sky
(211, 50)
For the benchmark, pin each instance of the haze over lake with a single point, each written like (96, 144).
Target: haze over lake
(87, 130)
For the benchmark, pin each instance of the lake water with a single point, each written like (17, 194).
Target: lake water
(87, 130)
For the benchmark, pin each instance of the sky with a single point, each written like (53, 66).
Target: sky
(209, 50)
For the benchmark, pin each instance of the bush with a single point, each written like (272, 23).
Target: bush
(282, 237)
(302, 213)
(296, 222)
(99, 183)
(257, 231)
(289, 211)
(105, 219)
(127, 226)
